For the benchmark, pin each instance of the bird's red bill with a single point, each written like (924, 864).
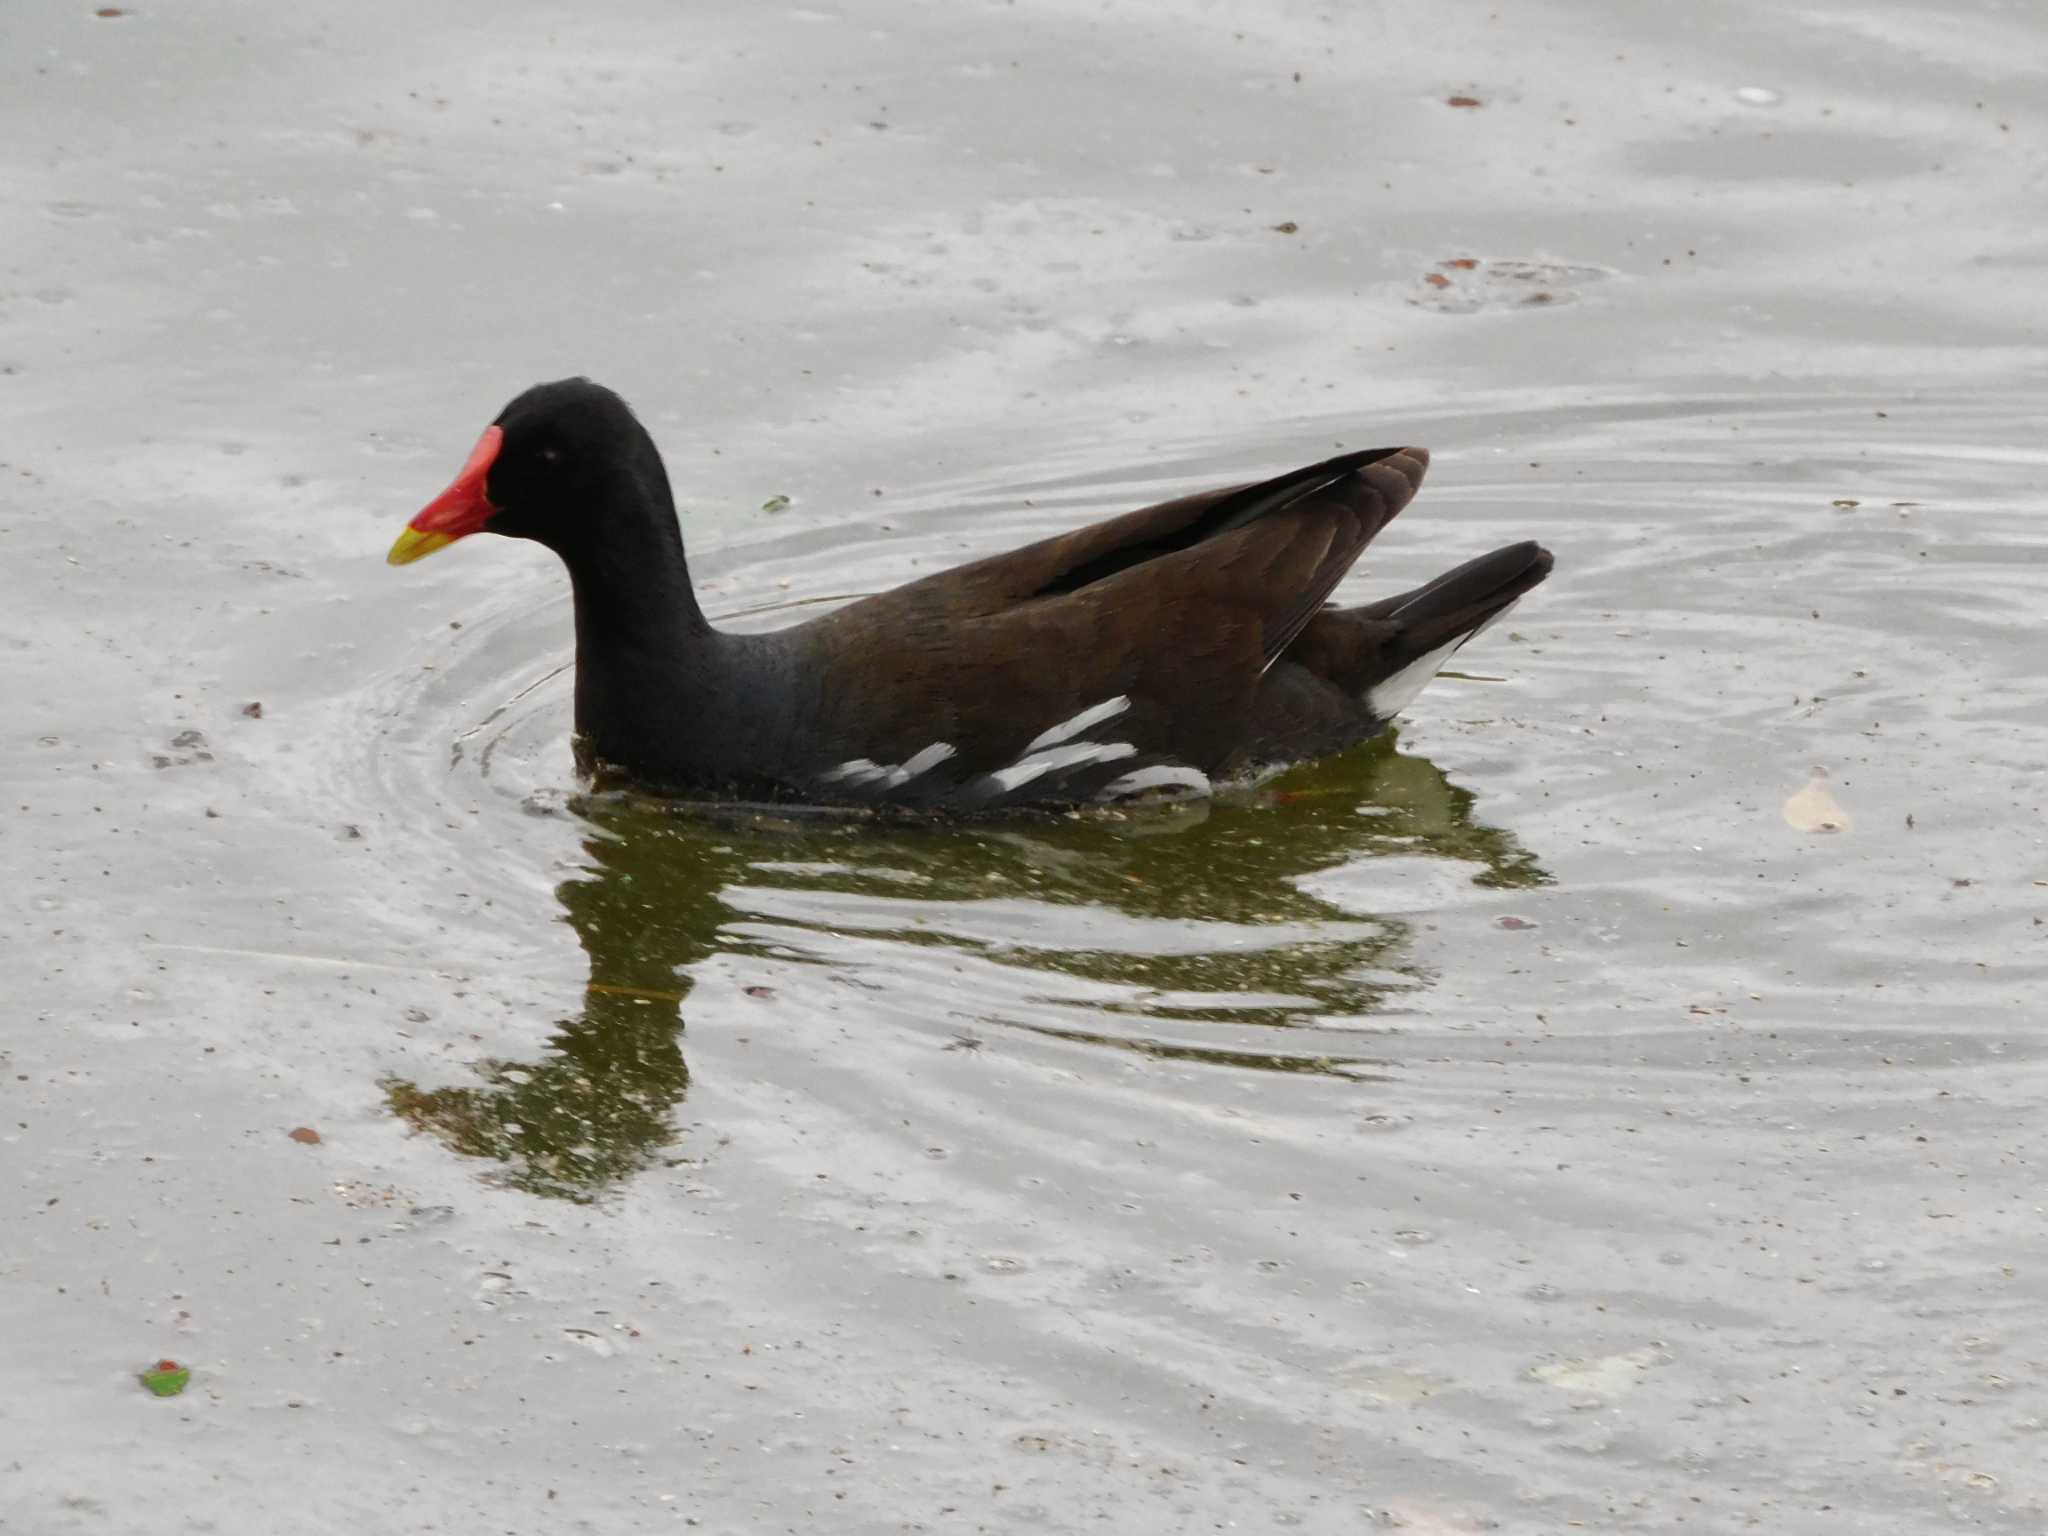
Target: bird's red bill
(458, 511)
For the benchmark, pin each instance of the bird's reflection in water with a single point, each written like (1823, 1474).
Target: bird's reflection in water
(667, 884)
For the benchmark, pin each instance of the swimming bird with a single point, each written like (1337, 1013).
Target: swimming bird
(1170, 649)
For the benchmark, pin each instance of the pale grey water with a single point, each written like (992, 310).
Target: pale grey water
(1238, 1169)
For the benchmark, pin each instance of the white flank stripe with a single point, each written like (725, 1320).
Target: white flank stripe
(863, 772)
(923, 762)
(1087, 720)
(860, 771)
(1078, 755)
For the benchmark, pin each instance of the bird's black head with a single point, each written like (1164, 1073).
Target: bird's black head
(565, 464)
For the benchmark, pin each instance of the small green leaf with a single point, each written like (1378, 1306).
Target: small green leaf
(775, 504)
(166, 1378)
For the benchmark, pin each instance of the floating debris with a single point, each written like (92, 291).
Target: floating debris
(166, 1378)
(1815, 809)
(1463, 285)
(186, 748)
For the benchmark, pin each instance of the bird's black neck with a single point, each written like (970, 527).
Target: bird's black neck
(645, 654)
(634, 590)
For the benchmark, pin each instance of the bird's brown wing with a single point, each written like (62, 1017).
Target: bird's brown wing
(1176, 610)
(1376, 483)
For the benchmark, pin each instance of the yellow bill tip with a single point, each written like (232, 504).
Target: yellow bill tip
(413, 544)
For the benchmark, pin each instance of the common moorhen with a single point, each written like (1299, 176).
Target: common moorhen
(1172, 647)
